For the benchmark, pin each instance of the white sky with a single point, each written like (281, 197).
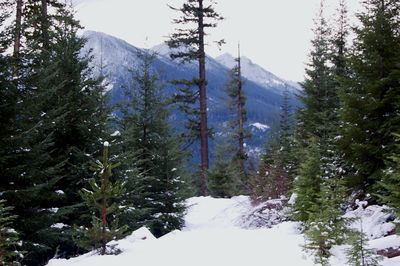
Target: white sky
(275, 34)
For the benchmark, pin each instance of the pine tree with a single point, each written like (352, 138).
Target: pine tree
(60, 117)
(370, 97)
(307, 184)
(339, 48)
(312, 129)
(318, 94)
(224, 178)
(269, 181)
(105, 196)
(8, 102)
(9, 246)
(151, 156)
(189, 42)
(285, 138)
(24, 179)
(276, 170)
(236, 103)
(359, 254)
(326, 225)
(320, 172)
(391, 182)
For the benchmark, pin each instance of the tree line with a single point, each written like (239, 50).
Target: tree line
(74, 175)
(58, 199)
(343, 145)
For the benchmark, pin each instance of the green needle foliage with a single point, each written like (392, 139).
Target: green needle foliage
(9, 241)
(359, 254)
(104, 197)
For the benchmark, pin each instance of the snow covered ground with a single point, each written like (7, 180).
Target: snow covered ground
(215, 235)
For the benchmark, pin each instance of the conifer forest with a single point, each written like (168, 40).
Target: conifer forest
(84, 168)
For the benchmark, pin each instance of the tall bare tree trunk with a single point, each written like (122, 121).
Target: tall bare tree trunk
(240, 115)
(104, 183)
(203, 105)
(45, 26)
(18, 26)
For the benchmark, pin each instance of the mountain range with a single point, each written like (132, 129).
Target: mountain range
(115, 59)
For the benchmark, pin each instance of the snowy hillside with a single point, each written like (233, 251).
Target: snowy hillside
(114, 58)
(256, 73)
(216, 234)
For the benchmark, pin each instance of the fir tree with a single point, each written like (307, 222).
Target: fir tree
(105, 196)
(27, 177)
(9, 246)
(391, 182)
(236, 103)
(370, 97)
(224, 178)
(320, 171)
(318, 96)
(269, 182)
(276, 168)
(189, 41)
(60, 117)
(339, 48)
(151, 156)
(285, 138)
(307, 184)
(312, 130)
(326, 225)
(359, 254)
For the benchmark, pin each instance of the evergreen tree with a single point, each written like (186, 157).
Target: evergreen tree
(276, 168)
(60, 117)
(270, 181)
(326, 225)
(189, 41)
(320, 172)
(307, 184)
(339, 48)
(359, 254)
(312, 130)
(370, 97)
(105, 196)
(151, 156)
(391, 182)
(285, 138)
(236, 103)
(224, 178)
(8, 103)
(26, 172)
(318, 94)
(9, 246)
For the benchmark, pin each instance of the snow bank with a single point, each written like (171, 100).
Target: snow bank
(137, 238)
(374, 220)
(214, 234)
(207, 212)
(265, 214)
(376, 224)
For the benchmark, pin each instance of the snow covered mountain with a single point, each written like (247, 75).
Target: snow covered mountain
(115, 59)
(256, 73)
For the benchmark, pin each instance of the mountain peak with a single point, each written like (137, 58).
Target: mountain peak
(161, 49)
(252, 71)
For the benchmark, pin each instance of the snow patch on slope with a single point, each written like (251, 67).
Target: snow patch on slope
(260, 126)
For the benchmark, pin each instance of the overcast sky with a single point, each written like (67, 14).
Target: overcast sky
(275, 34)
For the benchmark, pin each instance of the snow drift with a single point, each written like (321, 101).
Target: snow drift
(217, 232)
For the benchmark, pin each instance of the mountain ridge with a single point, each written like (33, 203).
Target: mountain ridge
(116, 58)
